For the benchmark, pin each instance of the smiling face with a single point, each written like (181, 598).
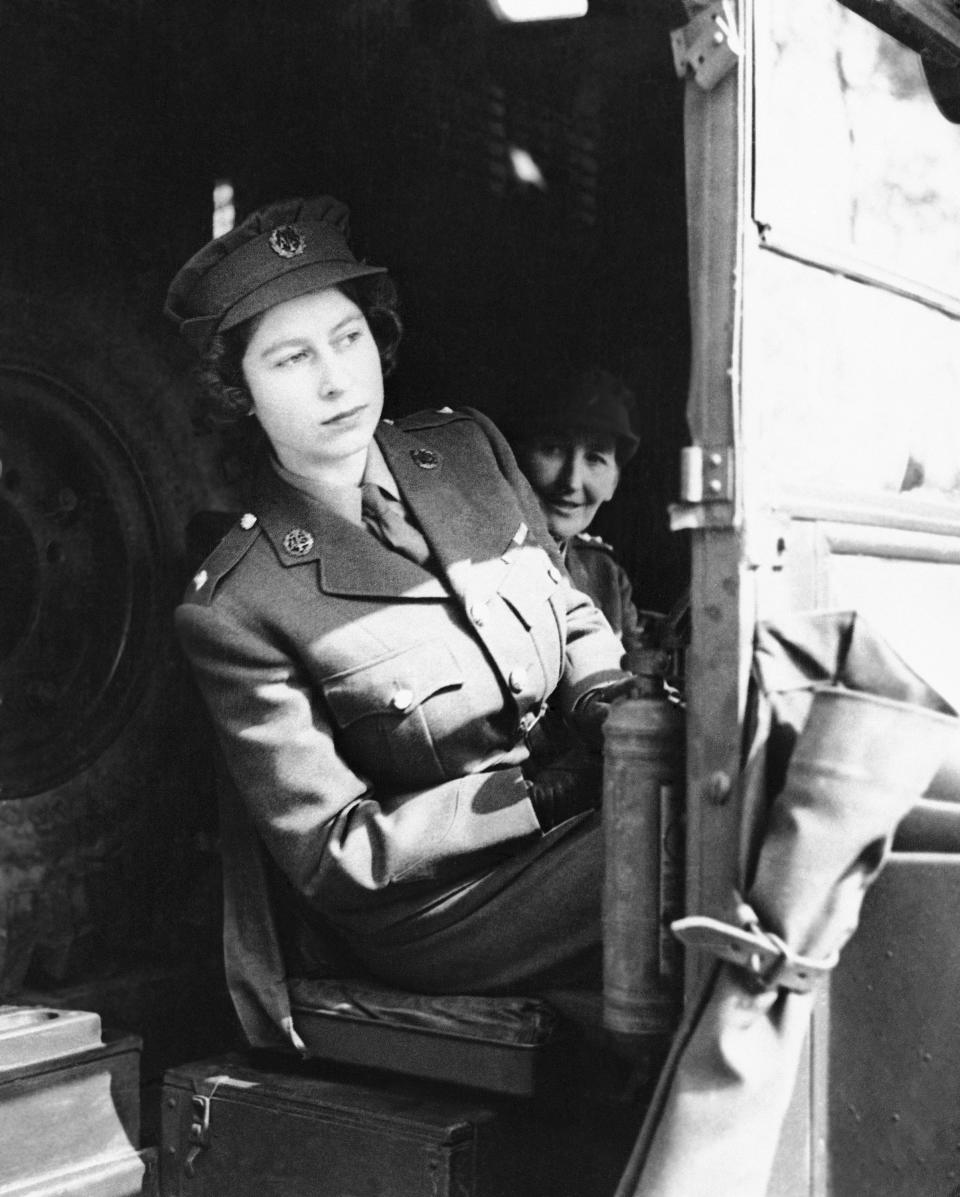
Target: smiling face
(572, 473)
(314, 374)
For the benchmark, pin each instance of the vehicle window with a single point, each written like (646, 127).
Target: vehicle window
(854, 389)
(853, 152)
(852, 342)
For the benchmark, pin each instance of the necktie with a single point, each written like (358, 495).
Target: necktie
(387, 520)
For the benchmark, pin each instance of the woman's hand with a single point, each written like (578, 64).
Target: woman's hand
(591, 710)
(568, 786)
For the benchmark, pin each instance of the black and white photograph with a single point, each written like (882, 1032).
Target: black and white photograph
(479, 574)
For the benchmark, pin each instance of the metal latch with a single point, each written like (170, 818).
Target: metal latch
(766, 537)
(708, 44)
(199, 1131)
(706, 474)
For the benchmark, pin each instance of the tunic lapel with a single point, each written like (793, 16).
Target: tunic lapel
(354, 562)
(349, 559)
(464, 522)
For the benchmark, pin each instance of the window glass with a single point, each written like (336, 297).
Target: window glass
(851, 386)
(852, 151)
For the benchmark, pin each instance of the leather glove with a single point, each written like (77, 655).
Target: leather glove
(590, 711)
(567, 787)
(548, 739)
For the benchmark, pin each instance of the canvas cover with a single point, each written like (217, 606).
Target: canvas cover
(821, 804)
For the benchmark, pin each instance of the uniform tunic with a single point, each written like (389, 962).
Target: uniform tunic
(372, 712)
(594, 570)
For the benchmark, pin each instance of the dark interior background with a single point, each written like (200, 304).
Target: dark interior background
(118, 117)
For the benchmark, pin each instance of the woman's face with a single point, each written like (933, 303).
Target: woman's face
(313, 369)
(572, 473)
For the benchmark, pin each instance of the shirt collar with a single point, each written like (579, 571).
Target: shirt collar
(344, 500)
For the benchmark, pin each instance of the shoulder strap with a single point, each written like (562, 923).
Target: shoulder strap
(231, 549)
(585, 540)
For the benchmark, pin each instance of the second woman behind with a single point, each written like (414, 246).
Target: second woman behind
(572, 448)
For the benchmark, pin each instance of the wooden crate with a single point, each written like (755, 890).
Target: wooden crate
(232, 1125)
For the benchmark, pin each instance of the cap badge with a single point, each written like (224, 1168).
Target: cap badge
(426, 459)
(287, 241)
(297, 542)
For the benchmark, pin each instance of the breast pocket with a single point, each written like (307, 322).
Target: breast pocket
(390, 713)
(533, 589)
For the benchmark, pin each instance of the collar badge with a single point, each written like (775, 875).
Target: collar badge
(297, 542)
(287, 241)
(426, 459)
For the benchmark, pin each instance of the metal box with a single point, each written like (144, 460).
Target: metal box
(69, 1107)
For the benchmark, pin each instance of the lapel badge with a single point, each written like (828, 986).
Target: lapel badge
(426, 459)
(297, 542)
(287, 241)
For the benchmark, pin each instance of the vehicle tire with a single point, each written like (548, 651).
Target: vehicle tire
(103, 777)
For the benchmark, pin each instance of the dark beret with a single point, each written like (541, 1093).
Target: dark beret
(593, 400)
(279, 252)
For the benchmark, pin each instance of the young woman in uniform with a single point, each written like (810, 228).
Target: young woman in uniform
(376, 640)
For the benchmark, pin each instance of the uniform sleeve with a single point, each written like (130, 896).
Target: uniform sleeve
(321, 821)
(628, 611)
(593, 650)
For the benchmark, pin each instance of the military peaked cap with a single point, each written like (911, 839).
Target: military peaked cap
(279, 252)
(593, 400)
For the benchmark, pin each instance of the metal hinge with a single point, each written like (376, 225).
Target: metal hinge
(706, 474)
(708, 45)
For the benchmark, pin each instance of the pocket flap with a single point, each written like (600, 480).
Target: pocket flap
(397, 683)
(527, 586)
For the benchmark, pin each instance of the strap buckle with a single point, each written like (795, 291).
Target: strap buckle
(765, 958)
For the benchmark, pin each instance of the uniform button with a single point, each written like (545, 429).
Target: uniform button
(426, 459)
(200, 580)
(553, 574)
(478, 613)
(517, 679)
(401, 699)
(247, 521)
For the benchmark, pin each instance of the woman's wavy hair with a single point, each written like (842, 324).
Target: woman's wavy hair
(225, 397)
